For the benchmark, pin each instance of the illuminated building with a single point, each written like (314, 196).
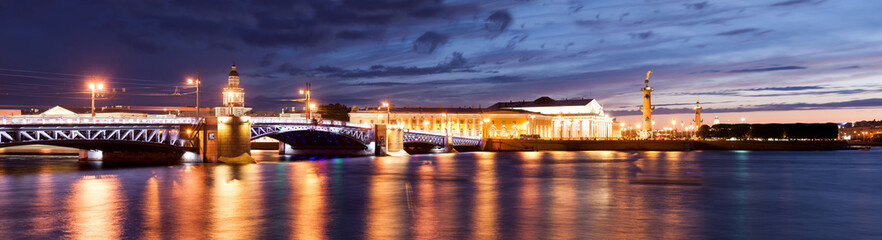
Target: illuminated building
(542, 118)
(234, 97)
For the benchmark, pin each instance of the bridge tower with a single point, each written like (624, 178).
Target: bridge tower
(647, 106)
(233, 96)
(228, 137)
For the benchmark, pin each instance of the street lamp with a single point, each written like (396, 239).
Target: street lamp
(388, 111)
(95, 87)
(484, 128)
(196, 82)
(308, 104)
(446, 123)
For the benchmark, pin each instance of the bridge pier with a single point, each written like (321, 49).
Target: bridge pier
(228, 140)
(388, 140)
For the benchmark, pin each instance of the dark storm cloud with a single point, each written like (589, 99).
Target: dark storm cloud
(872, 102)
(501, 79)
(767, 69)
(457, 63)
(498, 21)
(428, 42)
(790, 3)
(641, 35)
(696, 6)
(736, 32)
(745, 91)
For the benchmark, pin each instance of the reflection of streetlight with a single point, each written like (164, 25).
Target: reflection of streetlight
(95, 88)
(197, 83)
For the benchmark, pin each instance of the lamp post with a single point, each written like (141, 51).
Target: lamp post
(388, 111)
(484, 128)
(196, 82)
(308, 104)
(95, 87)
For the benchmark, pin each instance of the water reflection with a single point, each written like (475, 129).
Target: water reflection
(95, 208)
(235, 206)
(486, 209)
(388, 206)
(309, 201)
(528, 195)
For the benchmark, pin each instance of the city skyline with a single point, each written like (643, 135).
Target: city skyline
(755, 60)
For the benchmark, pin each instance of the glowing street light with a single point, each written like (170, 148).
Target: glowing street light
(388, 111)
(95, 88)
(196, 82)
(308, 104)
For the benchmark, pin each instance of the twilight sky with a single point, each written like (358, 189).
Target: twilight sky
(754, 58)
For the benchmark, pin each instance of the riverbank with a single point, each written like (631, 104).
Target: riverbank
(659, 145)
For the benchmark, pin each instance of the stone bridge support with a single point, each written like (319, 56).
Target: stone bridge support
(228, 140)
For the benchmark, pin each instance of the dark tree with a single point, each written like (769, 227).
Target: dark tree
(703, 132)
(334, 111)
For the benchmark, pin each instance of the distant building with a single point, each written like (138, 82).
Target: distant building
(571, 119)
(10, 112)
(544, 117)
(59, 111)
(862, 130)
(234, 97)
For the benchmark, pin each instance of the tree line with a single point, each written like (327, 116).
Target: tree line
(770, 131)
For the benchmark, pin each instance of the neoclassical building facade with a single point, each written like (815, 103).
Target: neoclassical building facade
(543, 118)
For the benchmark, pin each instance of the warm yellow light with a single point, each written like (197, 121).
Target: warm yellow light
(100, 86)
(312, 106)
(444, 114)
(385, 104)
(486, 120)
(426, 122)
(301, 91)
(638, 125)
(653, 122)
(189, 81)
(92, 86)
(189, 131)
(622, 124)
(673, 122)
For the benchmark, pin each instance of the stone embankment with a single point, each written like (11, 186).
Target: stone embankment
(658, 145)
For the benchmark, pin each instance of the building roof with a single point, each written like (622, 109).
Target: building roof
(233, 72)
(542, 102)
(59, 110)
(443, 110)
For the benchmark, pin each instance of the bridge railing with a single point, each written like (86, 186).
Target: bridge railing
(440, 134)
(40, 120)
(281, 120)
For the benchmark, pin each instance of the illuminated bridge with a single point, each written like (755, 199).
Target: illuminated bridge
(181, 135)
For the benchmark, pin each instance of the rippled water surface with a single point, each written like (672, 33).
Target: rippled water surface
(526, 195)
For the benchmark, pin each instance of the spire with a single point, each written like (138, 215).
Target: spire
(647, 78)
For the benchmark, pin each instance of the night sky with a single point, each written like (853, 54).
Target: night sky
(760, 57)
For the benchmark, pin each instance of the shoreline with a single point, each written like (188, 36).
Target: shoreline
(500, 145)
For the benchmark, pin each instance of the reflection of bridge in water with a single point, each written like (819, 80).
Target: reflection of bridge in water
(214, 137)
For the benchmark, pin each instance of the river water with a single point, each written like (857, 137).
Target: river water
(481, 195)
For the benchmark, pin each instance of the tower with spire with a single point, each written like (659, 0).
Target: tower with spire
(233, 96)
(697, 120)
(647, 106)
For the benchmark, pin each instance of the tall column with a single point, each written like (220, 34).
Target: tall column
(647, 105)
